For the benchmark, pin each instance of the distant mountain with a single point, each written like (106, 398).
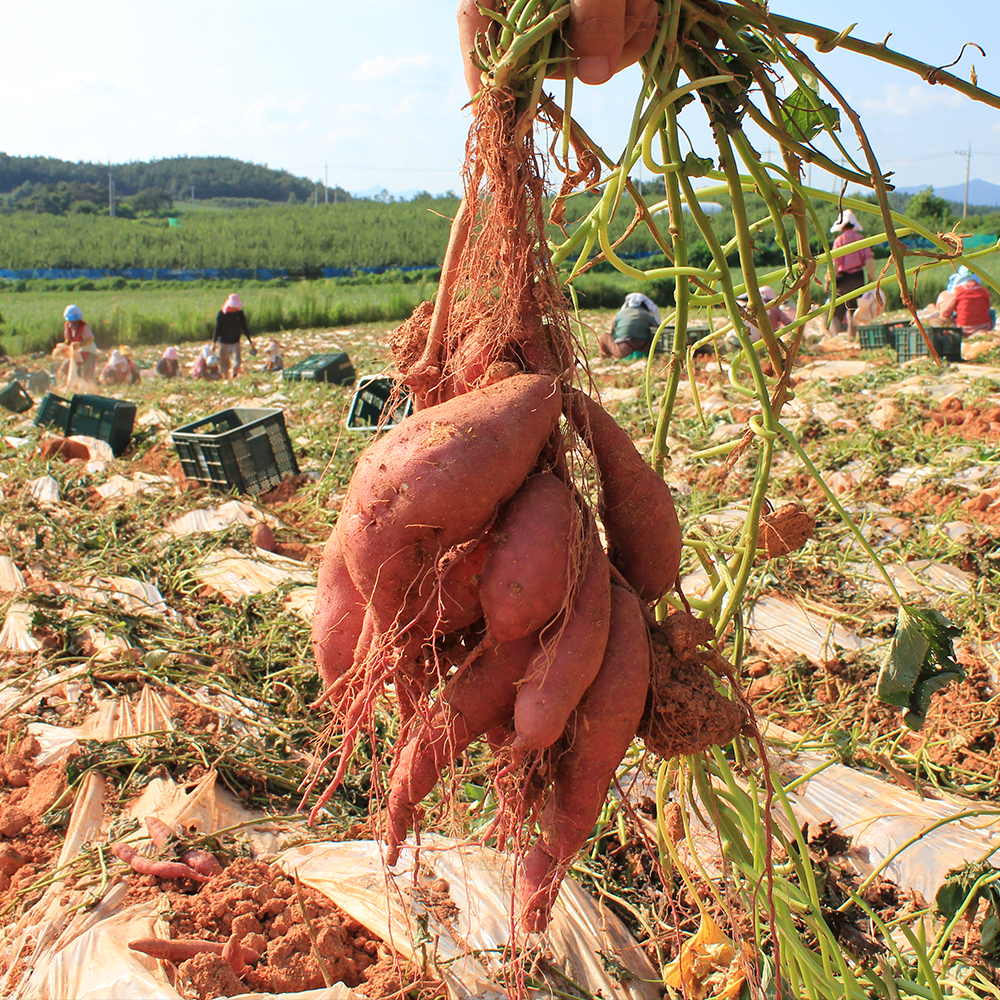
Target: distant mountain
(981, 193)
(210, 176)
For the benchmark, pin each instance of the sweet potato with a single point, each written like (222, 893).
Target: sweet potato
(435, 481)
(567, 663)
(636, 507)
(598, 735)
(479, 698)
(526, 574)
(338, 615)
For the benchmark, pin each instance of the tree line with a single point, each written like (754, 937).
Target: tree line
(46, 184)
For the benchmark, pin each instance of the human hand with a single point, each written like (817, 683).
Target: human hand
(605, 36)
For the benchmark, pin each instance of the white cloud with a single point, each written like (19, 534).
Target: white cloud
(271, 115)
(402, 69)
(916, 99)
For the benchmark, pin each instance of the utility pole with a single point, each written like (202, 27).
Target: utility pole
(326, 184)
(111, 192)
(192, 194)
(968, 163)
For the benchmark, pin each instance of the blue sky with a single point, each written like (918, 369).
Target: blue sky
(370, 94)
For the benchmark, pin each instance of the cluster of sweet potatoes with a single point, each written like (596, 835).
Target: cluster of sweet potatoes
(468, 575)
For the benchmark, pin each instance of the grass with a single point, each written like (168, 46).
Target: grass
(172, 312)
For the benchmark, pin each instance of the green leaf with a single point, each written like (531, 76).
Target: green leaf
(920, 661)
(806, 115)
(989, 931)
(697, 166)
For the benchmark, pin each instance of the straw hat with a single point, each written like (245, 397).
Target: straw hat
(126, 352)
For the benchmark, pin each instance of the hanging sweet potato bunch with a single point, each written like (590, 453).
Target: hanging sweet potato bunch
(475, 578)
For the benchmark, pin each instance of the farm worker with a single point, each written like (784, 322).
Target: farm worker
(129, 355)
(777, 316)
(80, 337)
(605, 36)
(119, 370)
(969, 303)
(631, 330)
(206, 366)
(850, 270)
(230, 325)
(275, 362)
(168, 366)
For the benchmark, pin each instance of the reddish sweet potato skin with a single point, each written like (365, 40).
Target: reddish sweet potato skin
(436, 480)
(478, 699)
(637, 509)
(338, 615)
(526, 573)
(598, 735)
(559, 674)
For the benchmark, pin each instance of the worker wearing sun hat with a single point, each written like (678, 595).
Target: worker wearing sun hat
(275, 361)
(118, 370)
(850, 268)
(230, 326)
(168, 366)
(80, 337)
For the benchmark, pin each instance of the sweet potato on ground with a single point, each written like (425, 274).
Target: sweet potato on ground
(570, 656)
(526, 574)
(636, 507)
(598, 735)
(435, 481)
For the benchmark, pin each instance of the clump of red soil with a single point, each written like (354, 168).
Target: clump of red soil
(971, 424)
(786, 529)
(982, 507)
(27, 793)
(686, 712)
(284, 491)
(303, 938)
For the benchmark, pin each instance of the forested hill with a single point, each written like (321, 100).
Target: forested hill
(210, 176)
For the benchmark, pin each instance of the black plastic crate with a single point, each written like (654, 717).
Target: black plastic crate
(335, 368)
(240, 449)
(373, 394)
(106, 419)
(15, 399)
(910, 343)
(54, 411)
(876, 335)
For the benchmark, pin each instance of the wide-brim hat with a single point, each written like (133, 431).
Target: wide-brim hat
(845, 219)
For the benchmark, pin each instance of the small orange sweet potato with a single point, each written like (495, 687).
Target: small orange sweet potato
(338, 616)
(567, 663)
(479, 698)
(527, 571)
(598, 735)
(636, 508)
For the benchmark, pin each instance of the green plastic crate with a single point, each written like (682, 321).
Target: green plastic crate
(876, 335)
(53, 411)
(336, 368)
(910, 343)
(98, 417)
(369, 402)
(106, 419)
(243, 449)
(15, 399)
